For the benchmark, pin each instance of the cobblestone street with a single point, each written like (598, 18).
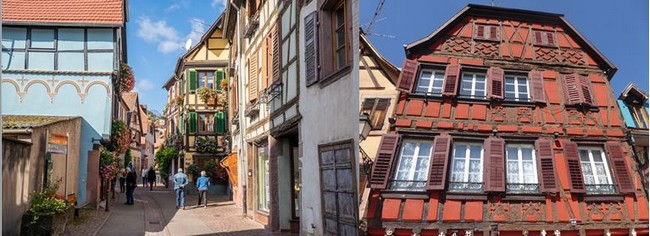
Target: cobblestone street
(154, 213)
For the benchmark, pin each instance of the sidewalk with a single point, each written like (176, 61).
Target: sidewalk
(155, 213)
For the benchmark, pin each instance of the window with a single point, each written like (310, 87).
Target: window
(376, 108)
(206, 79)
(467, 167)
(640, 117)
(431, 82)
(472, 85)
(413, 166)
(206, 122)
(486, 32)
(263, 193)
(521, 169)
(544, 38)
(517, 88)
(340, 38)
(595, 170)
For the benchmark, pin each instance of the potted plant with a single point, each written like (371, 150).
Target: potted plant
(127, 80)
(208, 95)
(40, 217)
(205, 145)
(178, 101)
(224, 84)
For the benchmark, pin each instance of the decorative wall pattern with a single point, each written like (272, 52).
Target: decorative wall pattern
(52, 86)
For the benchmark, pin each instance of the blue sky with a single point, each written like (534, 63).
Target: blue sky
(156, 34)
(619, 29)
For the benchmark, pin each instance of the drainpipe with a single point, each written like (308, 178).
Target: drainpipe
(17, 131)
(630, 140)
(242, 142)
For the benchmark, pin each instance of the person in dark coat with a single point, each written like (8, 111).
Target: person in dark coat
(151, 177)
(122, 178)
(131, 183)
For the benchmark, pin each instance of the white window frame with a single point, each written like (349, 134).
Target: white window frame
(516, 84)
(467, 160)
(430, 87)
(520, 162)
(473, 88)
(592, 163)
(414, 160)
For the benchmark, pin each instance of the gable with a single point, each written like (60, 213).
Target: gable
(520, 36)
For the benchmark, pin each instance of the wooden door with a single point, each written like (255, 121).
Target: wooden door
(338, 185)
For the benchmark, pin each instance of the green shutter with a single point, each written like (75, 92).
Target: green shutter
(192, 81)
(218, 77)
(192, 122)
(219, 123)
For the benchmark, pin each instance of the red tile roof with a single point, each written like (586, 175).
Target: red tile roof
(108, 12)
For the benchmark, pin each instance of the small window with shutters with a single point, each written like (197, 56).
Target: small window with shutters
(376, 108)
(430, 81)
(487, 32)
(521, 169)
(334, 28)
(466, 172)
(473, 85)
(595, 171)
(412, 166)
(544, 38)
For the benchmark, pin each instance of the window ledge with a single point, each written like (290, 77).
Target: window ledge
(513, 103)
(466, 196)
(603, 197)
(334, 76)
(484, 101)
(524, 197)
(414, 194)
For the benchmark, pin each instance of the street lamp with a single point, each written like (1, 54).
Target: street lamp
(364, 126)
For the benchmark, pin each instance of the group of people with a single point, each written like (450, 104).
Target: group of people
(180, 181)
(128, 181)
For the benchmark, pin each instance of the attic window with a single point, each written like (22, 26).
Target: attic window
(544, 38)
(486, 32)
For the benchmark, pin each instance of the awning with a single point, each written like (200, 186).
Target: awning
(230, 164)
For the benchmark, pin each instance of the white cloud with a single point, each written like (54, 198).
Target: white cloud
(159, 32)
(198, 28)
(216, 3)
(173, 7)
(144, 85)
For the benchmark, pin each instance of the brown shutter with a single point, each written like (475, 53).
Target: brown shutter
(438, 163)
(384, 162)
(252, 77)
(495, 86)
(276, 44)
(585, 87)
(574, 167)
(545, 166)
(573, 90)
(265, 63)
(480, 32)
(326, 62)
(537, 86)
(407, 76)
(311, 49)
(538, 37)
(494, 30)
(621, 173)
(550, 41)
(494, 175)
(451, 80)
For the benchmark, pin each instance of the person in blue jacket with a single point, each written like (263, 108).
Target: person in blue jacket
(202, 185)
(180, 180)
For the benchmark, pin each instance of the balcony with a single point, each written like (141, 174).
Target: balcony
(600, 189)
(252, 109)
(235, 117)
(465, 186)
(407, 185)
(252, 25)
(522, 188)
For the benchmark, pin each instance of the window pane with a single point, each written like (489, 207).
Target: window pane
(480, 86)
(597, 156)
(340, 16)
(513, 168)
(584, 155)
(527, 153)
(340, 36)
(510, 80)
(510, 88)
(425, 149)
(459, 150)
(408, 149)
(512, 153)
(475, 152)
(523, 88)
(340, 55)
(586, 169)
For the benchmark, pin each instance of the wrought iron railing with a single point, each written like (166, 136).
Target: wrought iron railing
(522, 188)
(252, 109)
(465, 186)
(600, 188)
(251, 25)
(408, 185)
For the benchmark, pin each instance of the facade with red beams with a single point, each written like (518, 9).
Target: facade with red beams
(506, 124)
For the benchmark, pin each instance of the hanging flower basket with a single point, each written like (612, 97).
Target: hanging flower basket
(206, 94)
(178, 101)
(127, 80)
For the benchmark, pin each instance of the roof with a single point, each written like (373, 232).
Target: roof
(145, 119)
(632, 90)
(63, 12)
(385, 64)
(31, 121)
(131, 100)
(533, 16)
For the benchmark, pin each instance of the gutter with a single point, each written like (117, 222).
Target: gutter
(17, 131)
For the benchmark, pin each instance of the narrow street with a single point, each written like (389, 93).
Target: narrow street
(154, 213)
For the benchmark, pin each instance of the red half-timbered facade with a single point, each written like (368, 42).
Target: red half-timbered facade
(506, 124)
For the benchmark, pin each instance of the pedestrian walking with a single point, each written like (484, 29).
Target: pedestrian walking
(151, 177)
(122, 177)
(131, 183)
(180, 180)
(144, 177)
(202, 184)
